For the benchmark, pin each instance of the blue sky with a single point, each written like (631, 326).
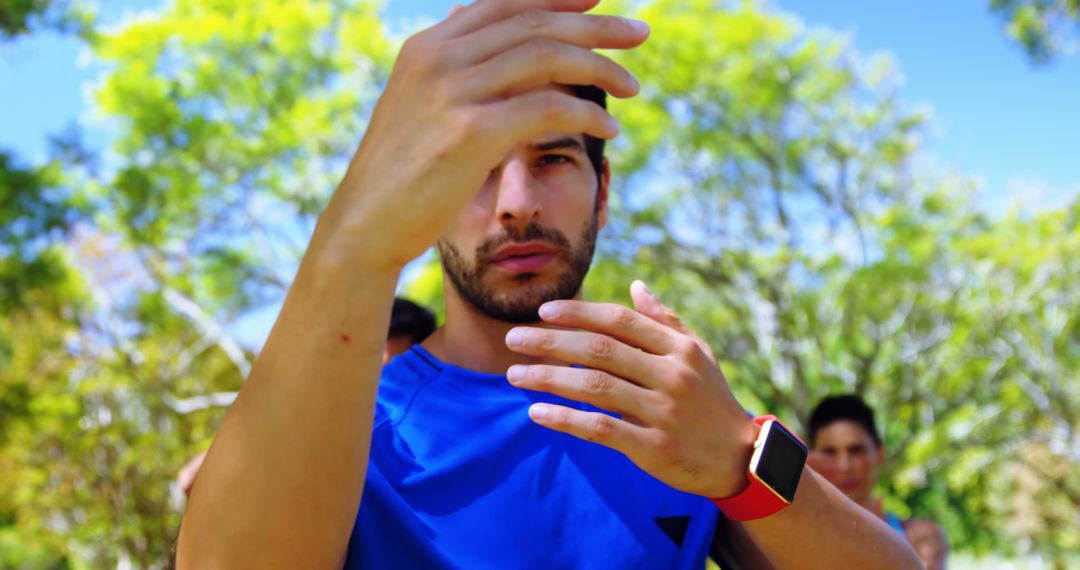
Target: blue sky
(1012, 125)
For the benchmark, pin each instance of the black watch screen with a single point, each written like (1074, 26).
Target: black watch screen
(782, 461)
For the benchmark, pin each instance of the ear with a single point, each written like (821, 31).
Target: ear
(602, 195)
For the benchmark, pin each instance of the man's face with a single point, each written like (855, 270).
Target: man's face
(853, 456)
(528, 236)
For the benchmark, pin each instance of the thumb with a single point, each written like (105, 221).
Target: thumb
(646, 303)
(455, 9)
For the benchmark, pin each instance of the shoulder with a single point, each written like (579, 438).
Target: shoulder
(402, 379)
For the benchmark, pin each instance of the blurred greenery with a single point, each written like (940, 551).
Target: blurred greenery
(18, 17)
(1046, 29)
(770, 185)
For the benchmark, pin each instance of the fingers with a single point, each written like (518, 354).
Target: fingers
(582, 30)
(590, 350)
(596, 427)
(533, 114)
(625, 324)
(649, 305)
(186, 477)
(591, 386)
(540, 62)
(486, 12)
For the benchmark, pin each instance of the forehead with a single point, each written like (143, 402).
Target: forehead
(842, 433)
(548, 137)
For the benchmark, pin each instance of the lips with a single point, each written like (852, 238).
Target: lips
(526, 257)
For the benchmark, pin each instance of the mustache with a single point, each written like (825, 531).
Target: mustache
(531, 232)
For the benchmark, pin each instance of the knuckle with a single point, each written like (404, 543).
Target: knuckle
(687, 349)
(544, 340)
(413, 49)
(596, 382)
(600, 427)
(540, 375)
(550, 105)
(540, 49)
(622, 316)
(664, 445)
(665, 409)
(600, 347)
(467, 123)
(531, 20)
(683, 381)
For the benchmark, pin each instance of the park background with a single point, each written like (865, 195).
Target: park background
(839, 196)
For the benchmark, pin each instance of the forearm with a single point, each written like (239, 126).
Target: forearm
(282, 482)
(734, 549)
(824, 529)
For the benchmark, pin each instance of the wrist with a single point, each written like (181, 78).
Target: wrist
(775, 468)
(351, 253)
(733, 478)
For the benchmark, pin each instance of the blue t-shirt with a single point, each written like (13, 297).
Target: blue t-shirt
(895, 523)
(460, 477)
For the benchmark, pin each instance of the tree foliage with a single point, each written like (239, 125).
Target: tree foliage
(1045, 28)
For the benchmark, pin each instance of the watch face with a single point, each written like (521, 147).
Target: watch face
(781, 462)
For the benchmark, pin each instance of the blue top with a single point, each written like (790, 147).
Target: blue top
(895, 523)
(460, 477)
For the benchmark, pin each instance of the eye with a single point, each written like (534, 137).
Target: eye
(553, 159)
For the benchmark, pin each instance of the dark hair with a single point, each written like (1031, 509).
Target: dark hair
(848, 407)
(408, 318)
(594, 147)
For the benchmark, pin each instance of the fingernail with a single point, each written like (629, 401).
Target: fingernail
(647, 291)
(549, 310)
(515, 373)
(538, 412)
(516, 337)
(638, 26)
(613, 125)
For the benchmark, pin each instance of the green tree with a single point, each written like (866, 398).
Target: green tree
(19, 17)
(236, 121)
(1045, 28)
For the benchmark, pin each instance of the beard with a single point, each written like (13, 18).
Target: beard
(520, 305)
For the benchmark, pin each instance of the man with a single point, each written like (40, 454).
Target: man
(409, 324)
(847, 449)
(484, 448)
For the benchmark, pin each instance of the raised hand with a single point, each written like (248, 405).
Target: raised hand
(679, 420)
(461, 95)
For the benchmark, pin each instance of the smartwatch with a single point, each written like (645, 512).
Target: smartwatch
(773, 475)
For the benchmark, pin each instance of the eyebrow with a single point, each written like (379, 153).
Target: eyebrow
(563, 143)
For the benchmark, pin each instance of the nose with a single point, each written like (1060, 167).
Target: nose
(518, 201)
(843, 462)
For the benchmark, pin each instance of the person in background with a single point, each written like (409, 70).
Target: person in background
(929, 541)
(409, 324)
(847, 450)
